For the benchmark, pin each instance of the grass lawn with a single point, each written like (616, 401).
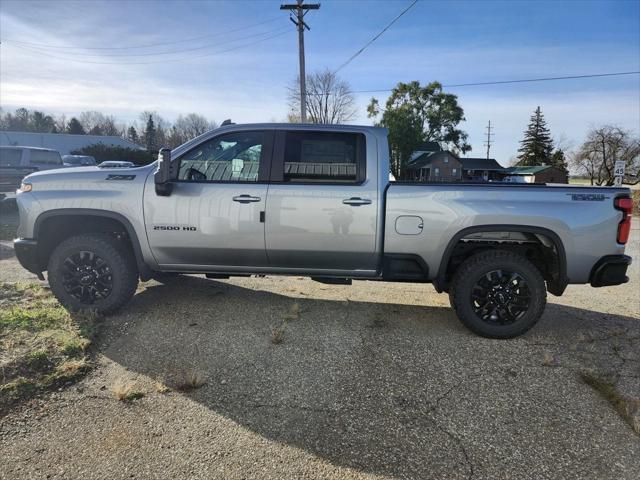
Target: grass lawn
(41, 344)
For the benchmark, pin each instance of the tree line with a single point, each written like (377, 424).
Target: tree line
(414, 114)
(152, 131)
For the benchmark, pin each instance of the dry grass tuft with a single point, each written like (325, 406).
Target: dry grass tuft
(192, 381)
(277, 335)
(124, 390)
(293, 313)
(72, 367)
(627, 407)
(548, 360)
(161, 387)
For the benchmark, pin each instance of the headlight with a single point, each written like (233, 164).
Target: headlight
(26, 187)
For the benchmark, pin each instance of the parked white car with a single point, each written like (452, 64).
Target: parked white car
(78, 161)
(116, 164)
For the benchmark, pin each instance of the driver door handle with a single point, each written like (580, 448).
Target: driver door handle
(246, 199)
(356, 201)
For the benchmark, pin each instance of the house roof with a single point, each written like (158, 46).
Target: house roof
(64, 143)
(424, 159)
(480, 164)
(531, 170)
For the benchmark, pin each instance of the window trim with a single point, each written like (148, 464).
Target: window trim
(277, 161)
(264, 167)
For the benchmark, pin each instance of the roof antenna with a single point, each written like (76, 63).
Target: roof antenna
(227, 122)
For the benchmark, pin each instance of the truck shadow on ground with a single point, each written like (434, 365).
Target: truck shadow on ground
(382, 388)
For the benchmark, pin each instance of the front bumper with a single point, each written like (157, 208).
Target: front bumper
(610, 270)
(27, 254)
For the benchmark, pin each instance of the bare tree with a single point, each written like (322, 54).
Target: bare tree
(329, 99)
(193, 125)
(92, 122)
(602, 148)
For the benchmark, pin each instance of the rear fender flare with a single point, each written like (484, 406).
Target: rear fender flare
(556, 289)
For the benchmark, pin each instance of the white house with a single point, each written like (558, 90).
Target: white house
(62, 142)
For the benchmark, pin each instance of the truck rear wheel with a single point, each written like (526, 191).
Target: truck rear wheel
(498, 294)
(92, 272)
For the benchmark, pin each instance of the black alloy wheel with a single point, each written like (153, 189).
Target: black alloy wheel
(87, 277)
(500, 297)
(498, 293)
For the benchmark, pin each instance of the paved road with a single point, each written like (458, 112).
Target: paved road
(376, 380)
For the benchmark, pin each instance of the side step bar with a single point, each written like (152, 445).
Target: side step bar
(332, 280)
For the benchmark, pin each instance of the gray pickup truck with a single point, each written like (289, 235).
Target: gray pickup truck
(316, 200)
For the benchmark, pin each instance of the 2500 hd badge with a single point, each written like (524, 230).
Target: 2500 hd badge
(184, 228)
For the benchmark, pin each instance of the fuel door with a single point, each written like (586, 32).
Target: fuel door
(409, 225)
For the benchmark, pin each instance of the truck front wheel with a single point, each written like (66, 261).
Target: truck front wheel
(498, 294)
(92, 272)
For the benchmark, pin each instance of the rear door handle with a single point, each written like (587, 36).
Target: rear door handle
(356, 201)
(246, 199)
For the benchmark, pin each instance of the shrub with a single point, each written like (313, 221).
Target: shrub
(102, 152)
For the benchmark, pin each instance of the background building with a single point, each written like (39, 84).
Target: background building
(536, 174)
(62, 142)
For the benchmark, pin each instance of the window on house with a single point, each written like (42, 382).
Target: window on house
(446, 159)
(436, 171)
(454, 171)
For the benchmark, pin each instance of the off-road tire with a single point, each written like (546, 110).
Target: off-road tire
(120, 260)
(479, 265)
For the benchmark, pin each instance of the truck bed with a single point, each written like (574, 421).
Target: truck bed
(583, 219)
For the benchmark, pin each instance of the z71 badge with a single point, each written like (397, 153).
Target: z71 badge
(175, 228)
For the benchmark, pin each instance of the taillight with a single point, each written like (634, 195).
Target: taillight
(624, 204)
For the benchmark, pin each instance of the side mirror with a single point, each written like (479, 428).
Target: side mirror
(166, 173)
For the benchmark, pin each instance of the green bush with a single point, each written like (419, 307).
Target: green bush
(102, 153)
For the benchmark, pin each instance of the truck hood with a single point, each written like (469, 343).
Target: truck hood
(84, 174)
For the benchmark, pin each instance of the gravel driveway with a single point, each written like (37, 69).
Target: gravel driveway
(376, 380)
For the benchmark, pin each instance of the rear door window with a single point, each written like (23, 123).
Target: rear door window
(10, 157)
(44, 157)
(322, 157)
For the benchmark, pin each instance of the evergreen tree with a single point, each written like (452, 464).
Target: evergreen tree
(558, 160)
(149, 135)
(75, 127)
(537, 145)
(132, 135)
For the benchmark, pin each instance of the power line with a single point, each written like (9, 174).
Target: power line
(150, 54)
(375, 38)
(527, 80)
(47, 54)
(133, 47)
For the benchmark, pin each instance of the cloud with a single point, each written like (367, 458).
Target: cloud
(249, 85)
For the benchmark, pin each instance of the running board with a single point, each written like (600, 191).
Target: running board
(332, 280)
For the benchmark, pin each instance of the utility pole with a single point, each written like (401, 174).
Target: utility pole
(301, 10)
(489, 141)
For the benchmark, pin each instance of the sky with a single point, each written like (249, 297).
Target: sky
(234, 59)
